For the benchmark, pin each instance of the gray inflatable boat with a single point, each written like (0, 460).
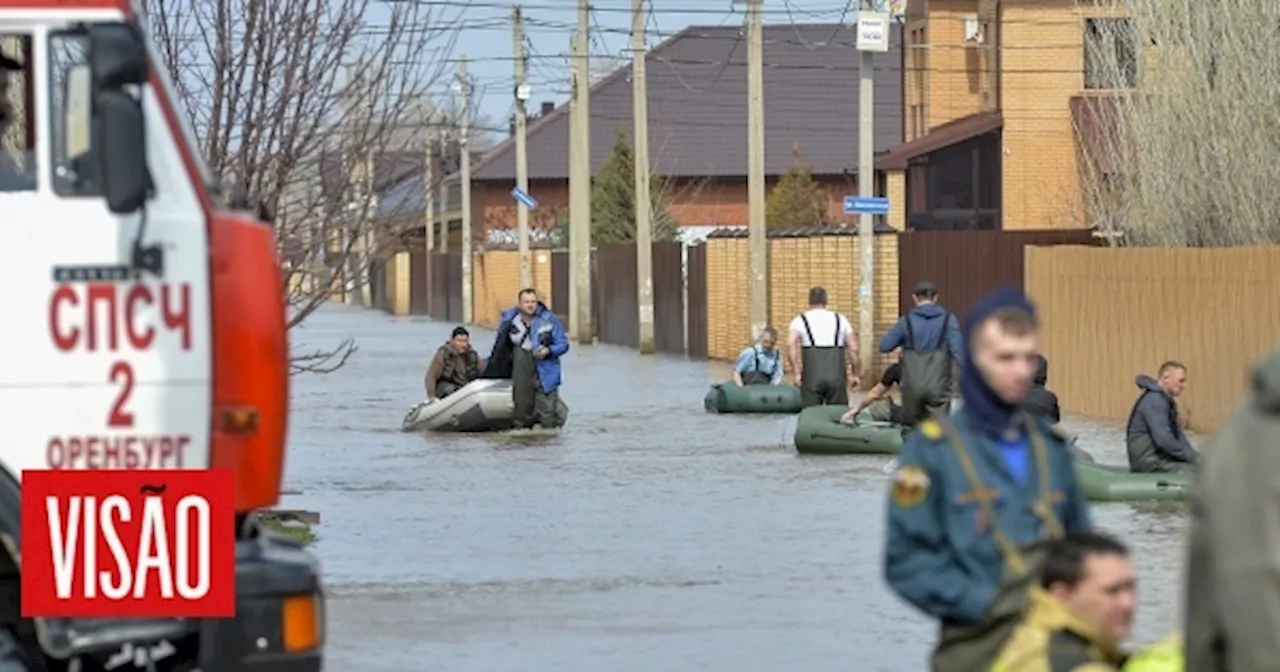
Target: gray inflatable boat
(481, 406)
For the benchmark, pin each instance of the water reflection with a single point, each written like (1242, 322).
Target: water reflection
(648, 535)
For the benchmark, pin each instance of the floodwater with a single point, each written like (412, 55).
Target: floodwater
(647, 535)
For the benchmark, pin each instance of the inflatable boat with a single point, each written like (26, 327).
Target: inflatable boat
(1115, 483)
(819, 431)
(727, 397)
(483, 405)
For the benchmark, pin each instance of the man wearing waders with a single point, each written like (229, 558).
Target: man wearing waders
(976, 491)
(931, 346)
(1233, 599)
(536, 341)
(823, 353)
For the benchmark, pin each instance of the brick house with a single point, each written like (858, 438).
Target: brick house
(698, 124)
(995, 121)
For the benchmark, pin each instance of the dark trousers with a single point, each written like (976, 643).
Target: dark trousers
(445, 388)
(533, 405)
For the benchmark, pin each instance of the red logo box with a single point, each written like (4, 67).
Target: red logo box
(154, 544)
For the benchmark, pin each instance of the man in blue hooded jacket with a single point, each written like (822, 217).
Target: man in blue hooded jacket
(931, 349)
(537, 341)
(976, 491)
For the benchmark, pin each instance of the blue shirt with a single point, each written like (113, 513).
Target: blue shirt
(1016, 455)
(756, 359)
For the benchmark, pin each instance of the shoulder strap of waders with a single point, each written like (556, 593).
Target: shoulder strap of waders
(1043, 507)
(942, 335)
(911, 334)
(808, 330)
(839, 332)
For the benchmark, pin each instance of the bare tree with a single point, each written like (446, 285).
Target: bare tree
(1180, 136)
(306, 109)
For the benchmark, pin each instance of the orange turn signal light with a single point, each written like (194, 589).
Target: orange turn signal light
(239, 420)
(302, 625)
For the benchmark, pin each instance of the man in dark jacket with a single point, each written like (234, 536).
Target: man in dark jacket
(1154, 438)
(931, 348)
(454, 365)
(1040, 401)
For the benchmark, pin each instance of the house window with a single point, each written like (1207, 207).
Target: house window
(1110, 54)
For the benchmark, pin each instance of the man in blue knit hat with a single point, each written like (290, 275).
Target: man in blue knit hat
(975, 492)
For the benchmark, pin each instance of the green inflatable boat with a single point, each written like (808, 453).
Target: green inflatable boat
(1115, 483)
(819, 431)
(727, 397)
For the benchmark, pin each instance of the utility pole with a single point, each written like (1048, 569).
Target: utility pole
(644, 212)
(522, 151)
(428, 204)
(757, 240)
(866, 189)
(464, 147)
(580, 183)
(444, 191)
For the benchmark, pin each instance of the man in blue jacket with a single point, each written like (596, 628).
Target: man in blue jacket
(537, 341)
(976, 491)
(931, 348)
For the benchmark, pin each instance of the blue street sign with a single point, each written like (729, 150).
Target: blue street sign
(526, 199)
(857, 205)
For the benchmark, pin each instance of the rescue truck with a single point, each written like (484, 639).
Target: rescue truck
(144, 328)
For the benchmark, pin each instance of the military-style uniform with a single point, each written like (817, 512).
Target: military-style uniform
(1052, 639)
(1233, 600)
(962, 531)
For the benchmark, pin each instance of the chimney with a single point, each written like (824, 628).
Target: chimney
(548, 107)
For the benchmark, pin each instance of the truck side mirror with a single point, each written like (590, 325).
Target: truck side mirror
(118, 55)
(118, 60)
(119, 140)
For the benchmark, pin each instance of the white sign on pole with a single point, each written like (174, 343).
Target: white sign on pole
(873, 31)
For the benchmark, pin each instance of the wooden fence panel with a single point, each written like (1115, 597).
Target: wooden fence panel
(966, 265)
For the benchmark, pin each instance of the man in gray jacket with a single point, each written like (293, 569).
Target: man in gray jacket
(1155, 441)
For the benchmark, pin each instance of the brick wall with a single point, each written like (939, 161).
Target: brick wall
(496, 277)
(795, 265)
(1042, 57)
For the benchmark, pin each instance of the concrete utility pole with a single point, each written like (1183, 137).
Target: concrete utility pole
(757, 240)
(866, 189)
(444, 192)
(522, 150)
(464, 147)
(580, 183)
(644, 212)
(428, 204)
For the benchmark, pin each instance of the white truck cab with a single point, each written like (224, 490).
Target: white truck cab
(145, 327)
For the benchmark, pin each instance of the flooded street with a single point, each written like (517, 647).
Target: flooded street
(648, 535)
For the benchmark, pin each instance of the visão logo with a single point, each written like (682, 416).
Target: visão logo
(152, 544)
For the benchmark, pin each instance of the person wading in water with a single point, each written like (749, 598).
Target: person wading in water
(823, 353)
(976, 491)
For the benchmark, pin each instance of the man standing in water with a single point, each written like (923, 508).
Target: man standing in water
(537, 341)
(975, 492)
(823, 353)
(931, 347)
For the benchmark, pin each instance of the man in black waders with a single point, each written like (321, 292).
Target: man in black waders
(823, 353)
(975, 492)
(528, 348)
(931, 347)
